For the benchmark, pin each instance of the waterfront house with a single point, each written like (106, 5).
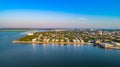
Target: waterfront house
(97, 41)
(47, 40)
(78, 41)
(44, 40)
(68, 40)
(53, 40)
(34, 40)
(56, 40)
(62, 40)
(82, 41)
(91, 41)
(74, 40)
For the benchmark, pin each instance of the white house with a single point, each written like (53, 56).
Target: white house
(34, 40)
(74, 40)
(82, 41)
(30, 34)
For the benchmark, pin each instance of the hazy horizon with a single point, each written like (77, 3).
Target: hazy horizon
(60, 14)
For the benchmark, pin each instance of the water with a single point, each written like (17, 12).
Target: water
(42, 55)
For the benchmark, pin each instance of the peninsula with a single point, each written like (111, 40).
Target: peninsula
(71, 37)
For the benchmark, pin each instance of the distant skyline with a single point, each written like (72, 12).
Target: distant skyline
(60, 14)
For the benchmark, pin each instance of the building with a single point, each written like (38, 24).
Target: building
(99, 32)
(53, 40)
(78, 41)
(62, 40)
(34, 40)
(82, 41)
(97, 41)
(47, 40)
(56, 40)
(74, 40)
(30, 34)
(68, 40)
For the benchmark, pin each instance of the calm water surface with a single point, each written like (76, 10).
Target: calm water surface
(53, 55)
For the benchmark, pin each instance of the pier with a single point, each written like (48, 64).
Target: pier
(109, 46)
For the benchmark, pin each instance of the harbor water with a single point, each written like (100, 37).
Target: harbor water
(53, 55)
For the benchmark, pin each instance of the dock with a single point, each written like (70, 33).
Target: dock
(109, 46)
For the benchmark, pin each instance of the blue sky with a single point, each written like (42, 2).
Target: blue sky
(60, 13)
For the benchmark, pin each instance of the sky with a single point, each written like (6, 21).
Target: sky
(60, 14)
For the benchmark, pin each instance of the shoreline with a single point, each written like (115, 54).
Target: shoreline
(30, 42)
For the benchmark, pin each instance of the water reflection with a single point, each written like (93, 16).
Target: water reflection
(44, 45)
(62, 45)
(78, 45)
(74, 45)
(34, 45)
(32, 55)
(53, 45)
